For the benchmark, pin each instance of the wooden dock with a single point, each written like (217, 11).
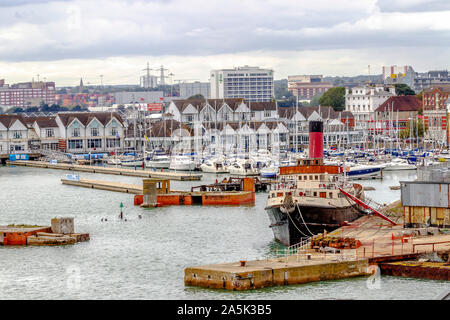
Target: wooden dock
(180, 176)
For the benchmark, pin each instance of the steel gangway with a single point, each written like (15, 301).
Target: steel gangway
(368, 206)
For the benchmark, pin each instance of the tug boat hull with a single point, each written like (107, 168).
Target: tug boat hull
(289, 228)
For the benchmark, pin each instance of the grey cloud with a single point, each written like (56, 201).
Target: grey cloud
(413, 6)
(47, 31)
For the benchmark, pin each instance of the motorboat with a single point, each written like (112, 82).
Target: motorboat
(214, 166)
(243, 167)
(270, 172)
(398, 164)
(364, 171)
(182, 163)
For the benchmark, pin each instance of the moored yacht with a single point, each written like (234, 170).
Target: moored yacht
(182, 163)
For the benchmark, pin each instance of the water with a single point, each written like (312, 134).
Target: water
(145, 258)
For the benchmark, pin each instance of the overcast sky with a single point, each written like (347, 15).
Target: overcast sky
(63, 40)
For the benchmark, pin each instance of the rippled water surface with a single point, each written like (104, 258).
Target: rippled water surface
(145, 258)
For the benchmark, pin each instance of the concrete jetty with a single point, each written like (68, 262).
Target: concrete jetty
(349, 251)
(180, 176)
(273, 272)
(104, 185)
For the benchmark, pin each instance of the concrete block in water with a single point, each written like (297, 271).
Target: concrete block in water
(63, 225)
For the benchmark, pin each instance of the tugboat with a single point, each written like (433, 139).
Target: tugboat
(307, 199)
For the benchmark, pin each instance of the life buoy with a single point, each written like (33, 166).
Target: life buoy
(300, 194)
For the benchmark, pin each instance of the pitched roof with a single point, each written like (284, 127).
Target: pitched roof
(42, 121)
(165, 128)
(400, 103)
(8, 119)
(86, 117)
(199, 104)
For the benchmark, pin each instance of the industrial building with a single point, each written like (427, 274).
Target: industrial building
(426, 201)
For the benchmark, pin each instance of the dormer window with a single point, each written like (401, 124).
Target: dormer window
(94, 132)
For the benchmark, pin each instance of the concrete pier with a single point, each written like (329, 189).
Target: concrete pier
(180, 176)
(274, 272)
(105, 185)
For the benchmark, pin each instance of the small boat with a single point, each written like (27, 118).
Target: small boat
(270, 172)
(131, 161)
(182, 163)
(214, 166)
(159, 160)
(360, 171)
(399, 164)
(243, 167)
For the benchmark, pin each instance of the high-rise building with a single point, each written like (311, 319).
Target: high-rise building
(251, 83)
(189, 89)
(27, 94)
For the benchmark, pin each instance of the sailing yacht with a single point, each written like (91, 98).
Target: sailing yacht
(158, 160)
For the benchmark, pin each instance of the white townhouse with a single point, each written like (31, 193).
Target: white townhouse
(218, 110)
(44, 133)
(91, 131)
(13, 135)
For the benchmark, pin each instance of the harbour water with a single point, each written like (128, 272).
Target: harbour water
(145, 258)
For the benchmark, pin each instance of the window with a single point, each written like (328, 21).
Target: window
(49, 133)
(267, 113)
(113, 131)
(113, 143)
(75, 144)
(17, 134)
(94, 132)
(94, 143)
(75, 132)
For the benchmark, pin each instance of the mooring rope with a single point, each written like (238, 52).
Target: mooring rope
(301, 216)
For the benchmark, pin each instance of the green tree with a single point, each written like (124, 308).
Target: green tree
(402, 89)
(417, 126)
(334, 97)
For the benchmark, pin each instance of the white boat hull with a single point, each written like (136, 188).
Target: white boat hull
(158, 164)
(182, 166)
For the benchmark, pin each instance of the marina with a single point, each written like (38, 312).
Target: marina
(251, 241)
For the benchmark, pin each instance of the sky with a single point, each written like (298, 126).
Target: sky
(64, 40)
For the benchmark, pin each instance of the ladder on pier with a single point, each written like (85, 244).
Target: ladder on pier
(369, 205)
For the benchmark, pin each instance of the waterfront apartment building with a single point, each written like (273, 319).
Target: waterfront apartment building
(189, 89)
(14, 135)
(27, 94)
(219, 110)
(435, 102)
(362, 101)
(84, 132)
(251, 83)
